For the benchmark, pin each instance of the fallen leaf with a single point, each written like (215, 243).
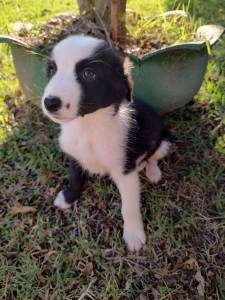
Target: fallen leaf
(84, 231)
(201, 285)
(88, 268)
(191, 264)
(163, 272)
(18, 209)
(30, 222)
(101, 205)
(51, 191)
(210, 274)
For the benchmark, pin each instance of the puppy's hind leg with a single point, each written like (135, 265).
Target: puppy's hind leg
(67, 197)
(153, 172)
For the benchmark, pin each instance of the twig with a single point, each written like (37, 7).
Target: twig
(114, 20)
(103, 26)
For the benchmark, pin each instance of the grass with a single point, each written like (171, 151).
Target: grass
(79, 254)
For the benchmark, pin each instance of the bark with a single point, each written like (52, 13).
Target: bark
(118, 25)
(85, 5)
(111, 12)
(103, 8)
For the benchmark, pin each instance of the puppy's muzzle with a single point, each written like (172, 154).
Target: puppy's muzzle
(52, 103)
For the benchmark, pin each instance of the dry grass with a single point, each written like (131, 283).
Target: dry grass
(79, 254)
(51, 254)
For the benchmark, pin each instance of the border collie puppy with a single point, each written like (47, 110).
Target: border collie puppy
(104, 132)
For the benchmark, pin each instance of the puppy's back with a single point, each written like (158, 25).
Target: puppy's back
(145, 134)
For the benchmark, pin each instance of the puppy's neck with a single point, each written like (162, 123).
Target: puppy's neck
(103, 117)
(100, 114)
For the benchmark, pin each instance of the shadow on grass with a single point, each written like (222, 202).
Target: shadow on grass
(61, 253)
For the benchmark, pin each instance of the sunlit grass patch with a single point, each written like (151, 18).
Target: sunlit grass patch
(50, 254)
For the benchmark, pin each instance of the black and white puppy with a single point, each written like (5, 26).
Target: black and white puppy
(102, 130)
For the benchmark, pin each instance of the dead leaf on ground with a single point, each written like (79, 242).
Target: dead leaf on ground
(19, 209)
(162, 272)
(191, 264)
(201, 284)
(51, 191)
(88, 269)
(85, 231)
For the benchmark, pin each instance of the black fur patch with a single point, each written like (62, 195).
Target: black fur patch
(76, 181)
(102, 79)
(145, 134)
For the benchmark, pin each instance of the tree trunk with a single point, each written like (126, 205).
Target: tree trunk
(103, 7)
(85, 5)
(118, 25)
(112, 14)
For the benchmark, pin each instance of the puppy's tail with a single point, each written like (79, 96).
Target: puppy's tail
(167, 135)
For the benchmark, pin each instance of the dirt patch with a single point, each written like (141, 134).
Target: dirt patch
(183, 216)
(151, 35)
(45, 35)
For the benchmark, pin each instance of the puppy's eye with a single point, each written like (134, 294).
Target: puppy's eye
(88, 75)
(51, 69)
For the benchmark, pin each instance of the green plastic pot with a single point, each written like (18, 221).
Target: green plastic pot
(167, 78)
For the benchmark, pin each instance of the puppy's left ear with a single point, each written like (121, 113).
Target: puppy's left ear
(127, 65)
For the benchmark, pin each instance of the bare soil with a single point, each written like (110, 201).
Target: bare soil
(45, 35)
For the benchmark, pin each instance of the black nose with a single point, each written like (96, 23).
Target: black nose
(52, 103)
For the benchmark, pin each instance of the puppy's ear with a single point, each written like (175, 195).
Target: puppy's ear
(127, 65)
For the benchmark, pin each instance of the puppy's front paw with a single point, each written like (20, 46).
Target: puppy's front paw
(134, 237)
(61, 202)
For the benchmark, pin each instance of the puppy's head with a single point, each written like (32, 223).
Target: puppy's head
(85, 75)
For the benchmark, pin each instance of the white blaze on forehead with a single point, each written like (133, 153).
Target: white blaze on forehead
(63, 83)
(74, 48)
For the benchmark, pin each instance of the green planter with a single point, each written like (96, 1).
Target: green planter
(170, 77)
(167, 79)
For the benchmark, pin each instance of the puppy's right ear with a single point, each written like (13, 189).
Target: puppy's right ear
(127, 65)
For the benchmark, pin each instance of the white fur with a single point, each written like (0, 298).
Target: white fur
(139, 164)
(60, 201)
(153, 172)
(97, 140)
(162, 150)
(85, 140)
(129, 188)
(64, 84)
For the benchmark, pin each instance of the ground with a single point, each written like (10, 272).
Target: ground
(79, 253)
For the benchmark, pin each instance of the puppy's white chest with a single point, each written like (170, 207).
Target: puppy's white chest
(83, 149)
(97, 144)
